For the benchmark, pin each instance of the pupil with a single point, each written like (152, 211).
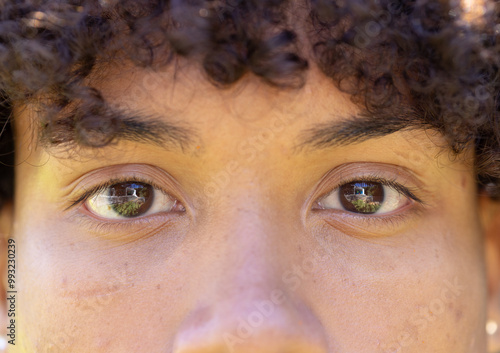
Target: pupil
(131, 199)
(362, 197)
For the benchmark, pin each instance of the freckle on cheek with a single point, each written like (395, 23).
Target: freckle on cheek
(458, 315)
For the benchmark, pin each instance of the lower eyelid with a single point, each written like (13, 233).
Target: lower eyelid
(124, 231)
(371, 226)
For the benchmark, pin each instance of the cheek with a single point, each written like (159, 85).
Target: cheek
(420, 291)
(77, 296)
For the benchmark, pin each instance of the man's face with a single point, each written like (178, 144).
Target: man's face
(259, 231)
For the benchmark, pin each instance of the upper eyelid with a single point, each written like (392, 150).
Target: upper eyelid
(371, 171)
(147, 173)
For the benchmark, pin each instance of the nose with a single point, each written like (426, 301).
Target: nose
(245, 306)
(273, 325)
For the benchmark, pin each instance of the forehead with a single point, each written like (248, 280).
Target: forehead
(181, 92)
(181, 95)
(179, 107)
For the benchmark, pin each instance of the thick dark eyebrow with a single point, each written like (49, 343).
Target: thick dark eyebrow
(99, 129)
(356, 129)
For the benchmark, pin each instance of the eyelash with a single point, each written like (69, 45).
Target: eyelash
(373, 178)
(406, 191)
(121, 230)
(84, 196)
(368, 219)
(372, 226)
(388, 220)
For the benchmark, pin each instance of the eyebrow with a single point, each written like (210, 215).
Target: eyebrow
(357, 129)
(99, 129)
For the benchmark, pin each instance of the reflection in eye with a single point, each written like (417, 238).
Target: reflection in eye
(129, 200)
(364, 197)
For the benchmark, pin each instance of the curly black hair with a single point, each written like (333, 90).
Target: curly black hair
(408, 63)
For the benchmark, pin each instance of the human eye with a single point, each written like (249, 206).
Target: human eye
(370, 195)
(117, 200)
(370, 200)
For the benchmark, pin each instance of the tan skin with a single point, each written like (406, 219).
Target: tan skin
(250, 264)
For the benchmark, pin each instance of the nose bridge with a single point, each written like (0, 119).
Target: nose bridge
(253, 241)
(245, 306)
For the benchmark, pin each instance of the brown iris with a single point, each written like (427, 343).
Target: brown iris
(131, 199)
(362, 197)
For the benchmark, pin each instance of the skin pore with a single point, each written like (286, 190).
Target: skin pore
(249, 259)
